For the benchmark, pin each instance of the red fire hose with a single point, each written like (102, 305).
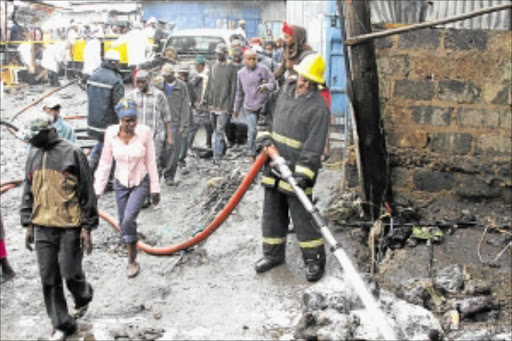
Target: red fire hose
(219, 219)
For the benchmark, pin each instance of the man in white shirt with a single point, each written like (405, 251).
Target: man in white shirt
(136, 45)
(92, 53)
(242, 24)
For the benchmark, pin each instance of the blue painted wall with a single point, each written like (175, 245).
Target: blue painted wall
(335, 71)
(206, 14)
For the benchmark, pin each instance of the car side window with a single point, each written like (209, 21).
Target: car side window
(194, 45)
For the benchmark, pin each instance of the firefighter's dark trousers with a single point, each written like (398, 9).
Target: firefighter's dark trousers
(59, 257)
(277, 209)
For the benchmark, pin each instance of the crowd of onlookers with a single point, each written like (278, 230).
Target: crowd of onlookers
(256, 93)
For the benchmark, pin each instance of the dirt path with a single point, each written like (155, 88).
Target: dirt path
(212, 293)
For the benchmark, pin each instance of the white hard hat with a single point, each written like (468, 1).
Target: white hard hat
(152, 20)
(112, 55)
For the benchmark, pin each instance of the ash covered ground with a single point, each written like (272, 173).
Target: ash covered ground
(212, 291)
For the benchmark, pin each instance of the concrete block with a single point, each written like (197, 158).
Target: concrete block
(460, 92)
(466, 40)
(405, 137)
(473, 186)
(430, 115)
(383, 43)
(504, 97)
(394, 65)
(494, 144)
(416, 90)
(506, 119)
(478, 118)
(399, 176)
(429, 180)
(423, 39)
(450, 143)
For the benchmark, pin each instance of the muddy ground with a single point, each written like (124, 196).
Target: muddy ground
(212, 292)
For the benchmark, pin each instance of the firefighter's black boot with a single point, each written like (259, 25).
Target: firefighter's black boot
(315, 263)
(273, 255)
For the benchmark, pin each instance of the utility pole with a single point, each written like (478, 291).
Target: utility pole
(364, 95)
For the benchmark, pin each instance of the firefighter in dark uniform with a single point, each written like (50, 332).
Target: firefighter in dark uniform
(299, 133)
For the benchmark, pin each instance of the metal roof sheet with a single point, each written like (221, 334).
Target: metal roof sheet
(416, 11)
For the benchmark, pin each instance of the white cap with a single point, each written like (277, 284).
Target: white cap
(152, 20)
(51, 103)
(112, 55)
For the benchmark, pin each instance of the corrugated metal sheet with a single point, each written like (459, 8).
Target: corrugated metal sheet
(311, 15)
(416, 11)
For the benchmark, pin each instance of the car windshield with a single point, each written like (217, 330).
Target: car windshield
(194, 45)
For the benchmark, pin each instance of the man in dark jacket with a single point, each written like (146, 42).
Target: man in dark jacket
(58, 209)
(179, 106)
(190, 132)
(220, 97)
(299, 133)
(104, 90)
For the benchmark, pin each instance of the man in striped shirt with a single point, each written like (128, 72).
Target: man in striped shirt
(153, 111)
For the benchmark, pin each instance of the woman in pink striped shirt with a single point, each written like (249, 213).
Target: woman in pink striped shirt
(131, 145)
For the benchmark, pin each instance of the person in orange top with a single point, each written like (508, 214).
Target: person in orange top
(136, 175)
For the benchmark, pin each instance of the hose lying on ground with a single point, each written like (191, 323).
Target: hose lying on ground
(199, 237)
(219, 219)
(9, 125)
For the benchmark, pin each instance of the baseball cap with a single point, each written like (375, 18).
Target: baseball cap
(35, 125)
(183, 69)
(221, 48)
(200, 59)
(167, 69)
(51, 103)
(142, 74)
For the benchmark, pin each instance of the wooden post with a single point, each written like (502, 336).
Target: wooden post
(364, 93)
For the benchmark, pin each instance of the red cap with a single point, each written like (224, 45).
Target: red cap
(287, 28)
(255, 41)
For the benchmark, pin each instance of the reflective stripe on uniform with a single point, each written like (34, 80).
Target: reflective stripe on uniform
(285, 186)
(274, 241)
(287, 141)
(261, 134)
(312, 244)
(305, 170)
(267, 180)
(100, 85)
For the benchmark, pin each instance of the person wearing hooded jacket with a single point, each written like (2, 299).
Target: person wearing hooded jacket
(58, 210)
(299, 133)
(294, 50)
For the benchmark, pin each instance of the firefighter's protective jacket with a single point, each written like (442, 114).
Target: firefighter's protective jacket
(299, 133)
(104, 90)
(58, 189)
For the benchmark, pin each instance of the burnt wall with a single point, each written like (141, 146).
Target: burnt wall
(446, 108)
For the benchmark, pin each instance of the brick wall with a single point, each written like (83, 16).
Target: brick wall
(446, 108)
